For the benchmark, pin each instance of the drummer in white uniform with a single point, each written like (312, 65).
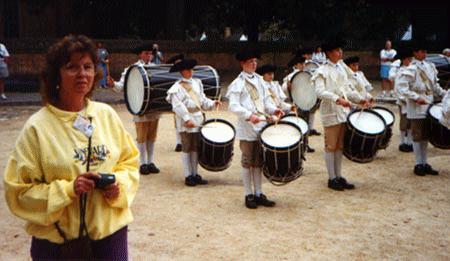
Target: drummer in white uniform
(189, 103)
(252, 103)
(446, 110)
(267, 72)
(147, 124)
(307, 53)
(333, 87)
(419, 86)
(404, 57)
(297, 63)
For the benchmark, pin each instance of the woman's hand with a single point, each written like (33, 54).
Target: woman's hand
(85, 183)
(111, 191)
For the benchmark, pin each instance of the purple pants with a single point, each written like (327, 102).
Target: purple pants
(113, 247)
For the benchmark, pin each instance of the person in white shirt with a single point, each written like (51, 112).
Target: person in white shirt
(419, 85)
(307, 53)
(147, 124)
(4, 73)
(297, 63)
(267, 71)
(333, 88)
(253, 105)
(318, 56)
(358, 79)
(189, 102)
(387, 56)
(446, 110)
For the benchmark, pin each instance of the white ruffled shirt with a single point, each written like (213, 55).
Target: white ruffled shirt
(280, 97)
(243, 106)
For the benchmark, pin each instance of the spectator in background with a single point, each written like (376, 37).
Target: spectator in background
(387, 56)
(157, 55)
(318, 56)
(446, 53)
(4, 73)
(103, 64)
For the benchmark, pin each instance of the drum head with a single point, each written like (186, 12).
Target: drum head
(387, 115)
(435, 111)
(281, 135)
(301, 123)
(311, 66)
(136, 81)
(367, 122)
(302, 91)
(218, 131)
(210, 79)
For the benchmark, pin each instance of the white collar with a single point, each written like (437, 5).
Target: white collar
(190, 80)
(249, 76)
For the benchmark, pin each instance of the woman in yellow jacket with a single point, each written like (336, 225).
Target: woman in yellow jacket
(52, 177)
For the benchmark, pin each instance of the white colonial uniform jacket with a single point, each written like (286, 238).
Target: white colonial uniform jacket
(118, 87)
(446, 110)
(361, 84)
(244, 106)
(184, 105)
(419, 81)
(278, 96)
(401, 100)
(331, 83)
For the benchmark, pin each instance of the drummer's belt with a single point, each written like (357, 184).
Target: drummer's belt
(257, 100)
(193, 95)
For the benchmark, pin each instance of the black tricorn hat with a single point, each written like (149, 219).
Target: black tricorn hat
(176, 58)
(143, 47)
(296, 59)
(184, 64)
(404, 53)
(351, 59)
(266, 68)
(332, 44)
(419, 44)
(248, 53)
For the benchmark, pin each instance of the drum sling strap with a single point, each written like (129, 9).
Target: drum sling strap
(254, 95)
(192, 94)
(274, 97)
(425, 80)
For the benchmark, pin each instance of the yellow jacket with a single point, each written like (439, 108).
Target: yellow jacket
(50, 153)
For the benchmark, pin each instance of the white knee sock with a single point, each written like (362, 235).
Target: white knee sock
(150, 149)
(338, 163)
(311, 120)
(186, 159)
(329, 160)
(194, 162)
(409, 137)
(247, 180)
(178, 137)
(418, 152)
(424, 150)
(142, 147)
(403, 137)
(257, 182)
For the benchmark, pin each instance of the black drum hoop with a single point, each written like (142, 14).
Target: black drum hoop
(285, 180)
(386, 109)
(144, 75)
(288, 148)
(363, 133)
(433, 122)
(214, 143)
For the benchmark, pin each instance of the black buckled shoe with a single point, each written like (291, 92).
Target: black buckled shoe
(143, 169)
(250, 201)
(409, 148)
(152, 168)
(178, 148)
(309, 149)
(190, 181)
(429, 170)
(262, 200)
(335, 184)
(199, 180)
(419, 170)
(403, 147)
(314, 132)
(345, 184)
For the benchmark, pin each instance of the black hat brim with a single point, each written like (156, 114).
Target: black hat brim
(185, 64)
(295, 60)
(248, 53)
(143, 47)
(351, 59)
(266, 68)
(175, 58)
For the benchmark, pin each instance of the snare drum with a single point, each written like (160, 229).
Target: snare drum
(145, 88)
(439, 134)
(363, 132)
(216, 144)
(389, 119)
(282, 152)
(301, 123)
(302, 91)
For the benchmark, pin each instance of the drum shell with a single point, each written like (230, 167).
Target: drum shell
(282, 164)
(359, 146)
(439, 134)
(386, 139)
(303, 140)
(215, 156)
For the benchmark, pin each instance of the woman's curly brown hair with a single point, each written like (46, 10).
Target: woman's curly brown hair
(57, 56)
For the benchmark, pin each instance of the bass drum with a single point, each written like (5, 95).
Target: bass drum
(302, 91)
(363, 132)
(439, 134)
(145, 88)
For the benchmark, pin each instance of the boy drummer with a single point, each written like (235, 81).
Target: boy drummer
(252, 103)
(188, 102)
(419, 86)
(147, 124)
(267, 72)
(333, 88)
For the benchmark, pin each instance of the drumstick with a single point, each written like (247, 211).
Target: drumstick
(217, 107)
